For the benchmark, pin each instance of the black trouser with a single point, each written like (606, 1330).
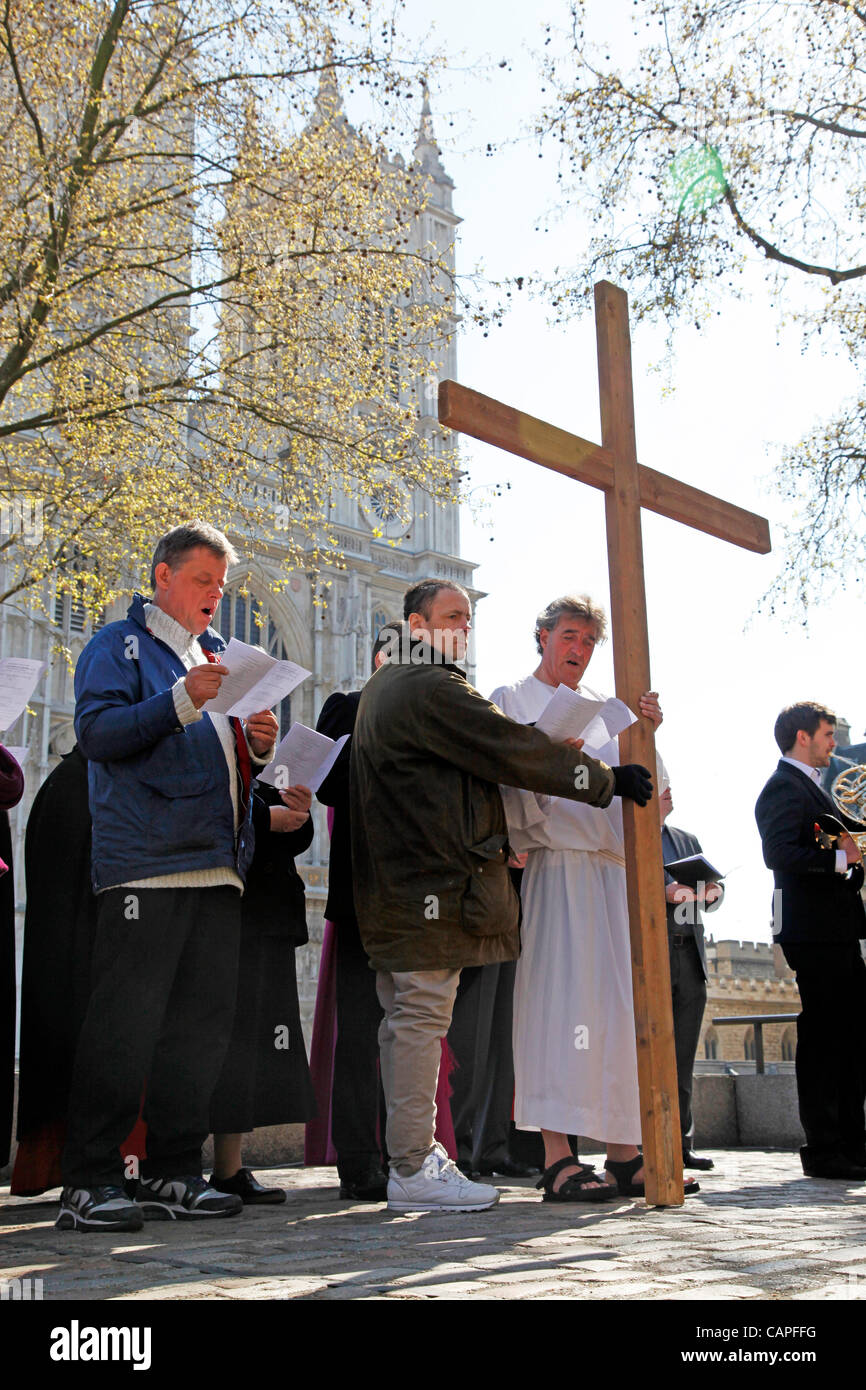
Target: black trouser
(357, 1101)
(164, 980)
(831, 1046)
(689, 998)
(482, 1083)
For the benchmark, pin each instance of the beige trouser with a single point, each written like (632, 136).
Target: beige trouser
(418, 1006)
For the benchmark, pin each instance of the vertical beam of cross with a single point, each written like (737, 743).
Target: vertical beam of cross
(657, 1078)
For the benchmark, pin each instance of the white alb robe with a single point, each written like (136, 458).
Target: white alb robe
(575, 1059)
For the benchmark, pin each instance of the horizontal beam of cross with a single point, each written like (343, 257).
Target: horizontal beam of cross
(485, 418)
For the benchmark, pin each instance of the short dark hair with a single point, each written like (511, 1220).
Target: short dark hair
(419, 599)
(171, 548)
(387, 636)
(575, 606)
(807, 715)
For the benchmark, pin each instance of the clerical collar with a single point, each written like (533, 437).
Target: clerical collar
(811, 772)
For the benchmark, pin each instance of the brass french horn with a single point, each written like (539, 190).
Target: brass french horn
(849, 793)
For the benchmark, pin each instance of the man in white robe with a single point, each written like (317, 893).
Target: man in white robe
(575, 1059)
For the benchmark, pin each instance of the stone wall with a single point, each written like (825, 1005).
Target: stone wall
(746, 1111)
(746, 977)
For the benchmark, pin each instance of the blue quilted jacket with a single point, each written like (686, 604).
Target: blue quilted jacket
(159, 790)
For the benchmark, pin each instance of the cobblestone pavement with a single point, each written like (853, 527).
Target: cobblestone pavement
(757, 1230)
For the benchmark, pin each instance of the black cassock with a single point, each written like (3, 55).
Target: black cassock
(59, 927)
(11, 791)
(265, 1079)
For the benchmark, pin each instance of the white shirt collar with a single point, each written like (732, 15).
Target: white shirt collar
(583, 689)
(811, 772)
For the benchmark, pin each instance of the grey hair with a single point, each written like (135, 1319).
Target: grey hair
(173, 546)
(576, 606)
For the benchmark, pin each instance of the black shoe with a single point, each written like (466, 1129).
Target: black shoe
(184, 1199)
(693, 1160)
(508, 1167)
(371, 1186)
(834, 1165)
(250, 1191)
(466, 1168)
(97, 1209)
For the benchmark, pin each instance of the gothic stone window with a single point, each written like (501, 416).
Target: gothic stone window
(379, 620)
(67, 608)
(70, 617)
(69, 614)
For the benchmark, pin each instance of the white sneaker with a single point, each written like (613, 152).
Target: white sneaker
(439, 1185)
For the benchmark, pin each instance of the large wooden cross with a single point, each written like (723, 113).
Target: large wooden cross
(627, 486)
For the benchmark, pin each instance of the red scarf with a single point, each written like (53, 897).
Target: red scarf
(241, 745)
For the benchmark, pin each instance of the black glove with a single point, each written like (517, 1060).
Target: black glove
(634, 782)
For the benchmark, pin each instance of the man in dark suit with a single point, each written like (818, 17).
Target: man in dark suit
(818, 920)
(482, 1086)
(688, 960)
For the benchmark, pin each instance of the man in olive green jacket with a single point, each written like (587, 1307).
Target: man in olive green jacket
(429, 856)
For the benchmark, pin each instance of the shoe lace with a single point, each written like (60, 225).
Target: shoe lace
(192, 1185)
(196, 1185)
(441, 1168)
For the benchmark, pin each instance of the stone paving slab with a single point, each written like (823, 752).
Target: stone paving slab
(717, 1291)
(758, 1230)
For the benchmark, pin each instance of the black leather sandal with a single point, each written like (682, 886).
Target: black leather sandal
(571, 1190)
(624, 1170)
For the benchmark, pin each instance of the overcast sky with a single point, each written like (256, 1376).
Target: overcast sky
(742, 387)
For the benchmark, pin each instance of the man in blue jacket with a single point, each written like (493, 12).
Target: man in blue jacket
(169, 790)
